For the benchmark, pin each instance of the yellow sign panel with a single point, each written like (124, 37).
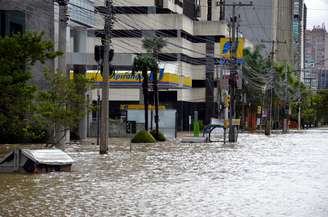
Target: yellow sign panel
(125, 78)
(259, 110)
(235, 122)
(226, 48)
(226, 123)
(227, 101)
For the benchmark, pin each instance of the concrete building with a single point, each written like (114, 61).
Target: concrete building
(316, 55)
(29, 15)
(299, 27)
(323, 79)
(192, 30)
(267, 20)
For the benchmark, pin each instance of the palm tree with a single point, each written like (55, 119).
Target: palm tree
(153, 46)
(145, 63)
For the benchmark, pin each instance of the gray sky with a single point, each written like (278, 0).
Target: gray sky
(317, 12)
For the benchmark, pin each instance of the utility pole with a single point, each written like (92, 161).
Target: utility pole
(63, 19)
(107, 11)
(233, 72)
(64, 135)
(299, 100)
(268, 122)
(286, 107)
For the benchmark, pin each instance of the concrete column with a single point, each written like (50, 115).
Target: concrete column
(80, 46)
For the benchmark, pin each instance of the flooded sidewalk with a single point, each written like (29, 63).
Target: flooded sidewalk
(281, 175)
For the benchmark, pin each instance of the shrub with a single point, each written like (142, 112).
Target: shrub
(196, 129)
(161, 136)
(143, 137)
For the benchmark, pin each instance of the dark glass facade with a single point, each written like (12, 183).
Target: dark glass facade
(11, 22)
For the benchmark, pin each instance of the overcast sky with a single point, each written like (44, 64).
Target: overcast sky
(317, 12)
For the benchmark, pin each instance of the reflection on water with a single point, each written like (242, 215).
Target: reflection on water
(284, 175)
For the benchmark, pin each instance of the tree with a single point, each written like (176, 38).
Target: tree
(153, 46)
(145, 63)
(62, 104)
(256, 74)
(322, 106)
(18, 53)
(256, 78)
(261, 75)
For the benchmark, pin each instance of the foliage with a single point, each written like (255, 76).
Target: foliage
(143, 137)
(144, 63)
(195, 126)
(63, 103)
(161, 136)
(321, 101)
(154, 45)
(18, 53)
(261, 75)
(256, 72)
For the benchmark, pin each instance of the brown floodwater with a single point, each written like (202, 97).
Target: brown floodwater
(281, 175)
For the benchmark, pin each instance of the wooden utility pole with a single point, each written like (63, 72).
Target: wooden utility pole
(107, 11)
(233, 72)
(268, 122)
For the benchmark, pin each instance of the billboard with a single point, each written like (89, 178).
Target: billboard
(227, 47)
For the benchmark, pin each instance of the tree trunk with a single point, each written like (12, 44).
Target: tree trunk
(145, 93)
(155, 83)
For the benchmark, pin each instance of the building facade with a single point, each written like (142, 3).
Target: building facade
(322, 79)
(30, 15)
(192, 30)
(316, 55)
(299, 27)
(267, 20)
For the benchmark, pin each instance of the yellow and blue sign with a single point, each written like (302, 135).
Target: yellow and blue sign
(227, 48)
(125, 79)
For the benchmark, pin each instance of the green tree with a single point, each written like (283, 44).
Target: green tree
(256, 80)
(145, 63)
(18, 53)
(153, 46)
(322, 106)
(261, 76)
(256, 74)
(63, 103)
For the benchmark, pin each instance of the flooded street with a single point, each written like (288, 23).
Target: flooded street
(281, 175)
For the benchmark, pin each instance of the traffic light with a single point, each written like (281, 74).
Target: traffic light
(99, 53)
(111, 55)
(111, 70)
(227, 101)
